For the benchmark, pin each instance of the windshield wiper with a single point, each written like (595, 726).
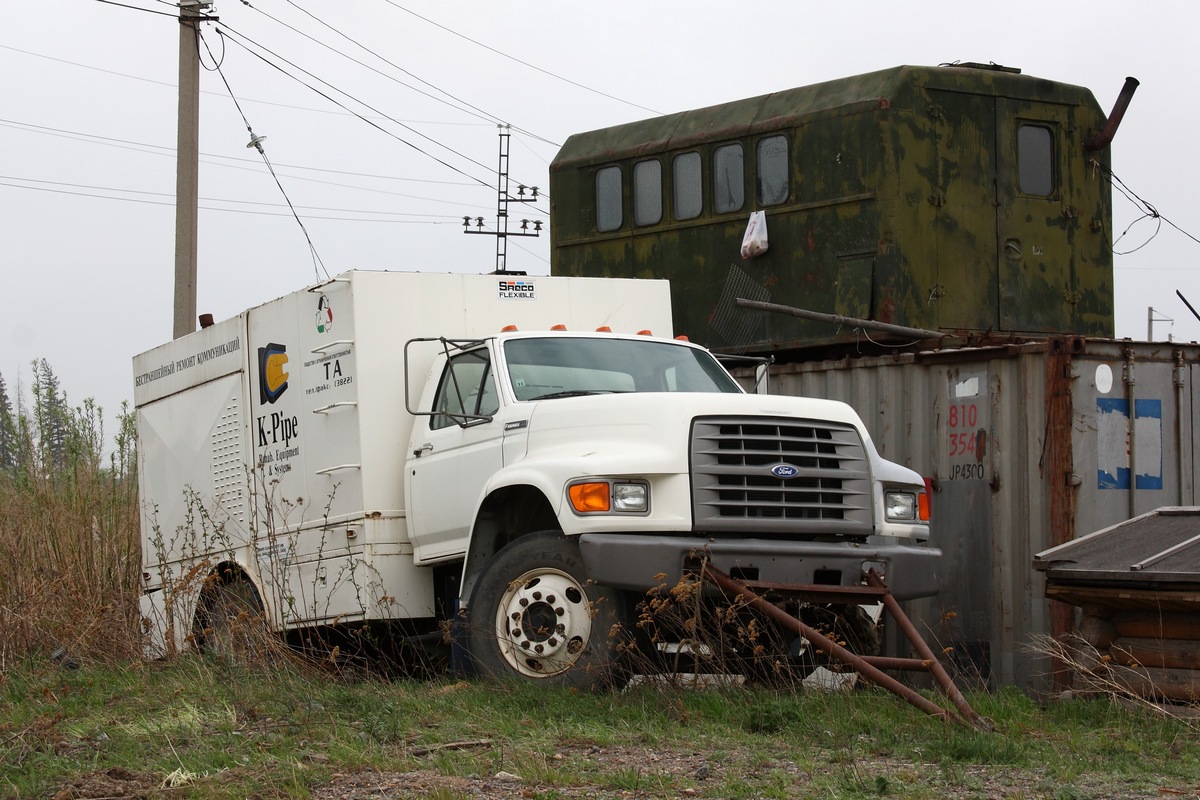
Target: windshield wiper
(571, 393)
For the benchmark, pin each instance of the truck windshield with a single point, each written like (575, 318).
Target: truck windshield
(565, 366)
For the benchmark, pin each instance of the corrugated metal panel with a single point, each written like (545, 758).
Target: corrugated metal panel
(1159, 548)
(1029, 446)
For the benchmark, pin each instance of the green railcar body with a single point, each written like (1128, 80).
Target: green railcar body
(957, 198)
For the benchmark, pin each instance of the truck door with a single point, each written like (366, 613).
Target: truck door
(454, 453)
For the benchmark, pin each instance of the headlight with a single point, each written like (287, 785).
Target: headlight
(630, 497)
(900, 506)
(604, 497)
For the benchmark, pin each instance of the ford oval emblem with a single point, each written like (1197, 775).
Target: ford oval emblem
(784, 471)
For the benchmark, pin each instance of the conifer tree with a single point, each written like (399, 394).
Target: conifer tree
(52, 417)
(8, 433)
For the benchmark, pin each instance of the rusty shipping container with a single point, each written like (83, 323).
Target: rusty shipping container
(1028, 445)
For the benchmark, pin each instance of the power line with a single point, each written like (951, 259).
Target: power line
(1147, 209)
(170, 151)
(255, 166)
(469, 108)
(446, 219)
(256, 143)
(139, 8)
(168, 85)
(519, 61)
(238, 39)
(238, 36)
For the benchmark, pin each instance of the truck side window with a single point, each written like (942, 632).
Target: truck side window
(467, 390)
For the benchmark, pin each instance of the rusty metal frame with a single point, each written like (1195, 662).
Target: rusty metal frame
(870, 667)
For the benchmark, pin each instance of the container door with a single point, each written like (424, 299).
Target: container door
(1036, 224)
(961, 206)
(454, 454)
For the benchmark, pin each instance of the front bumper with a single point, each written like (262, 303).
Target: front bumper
(639, 562)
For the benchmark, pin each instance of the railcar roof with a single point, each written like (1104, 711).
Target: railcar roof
(897, 87)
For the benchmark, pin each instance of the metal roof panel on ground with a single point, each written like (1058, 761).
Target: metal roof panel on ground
(1162, 546)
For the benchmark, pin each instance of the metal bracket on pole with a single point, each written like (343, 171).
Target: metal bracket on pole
(503, 199)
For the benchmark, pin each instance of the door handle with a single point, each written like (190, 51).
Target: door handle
(425, 448)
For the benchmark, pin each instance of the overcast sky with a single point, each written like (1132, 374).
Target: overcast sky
(383, 177)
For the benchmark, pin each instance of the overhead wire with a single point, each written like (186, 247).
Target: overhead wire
(4, 181)
(482, 114)
(224, 28)
(464, 106)
(139, 8)
(448, 220)
(237, 38)
(241, 40)
(170, 151)
(216, 160)
(521, 62)
(256, 142)
(307, 109)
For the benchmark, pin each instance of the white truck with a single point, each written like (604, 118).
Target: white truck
(416, 449)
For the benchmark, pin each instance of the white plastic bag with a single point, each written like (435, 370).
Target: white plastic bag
(754, 243)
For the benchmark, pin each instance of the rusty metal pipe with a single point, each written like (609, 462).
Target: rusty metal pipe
(900, 664)
(1103, 138)
(822, 642)
(838, 319)
(935, 667)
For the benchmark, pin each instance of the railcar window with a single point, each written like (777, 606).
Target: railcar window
(729, 188)
(1035, 159)
(772, 170)
(609, 212)
(689, 192)
(647, 192)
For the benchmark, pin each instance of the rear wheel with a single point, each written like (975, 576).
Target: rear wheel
(230, 622)
(534, 615)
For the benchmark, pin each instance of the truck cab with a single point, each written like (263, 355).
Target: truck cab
(612, 463)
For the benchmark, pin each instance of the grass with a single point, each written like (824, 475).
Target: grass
(201, 727)
(82, 716)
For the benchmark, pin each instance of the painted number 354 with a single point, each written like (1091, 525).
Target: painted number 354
(962, 443)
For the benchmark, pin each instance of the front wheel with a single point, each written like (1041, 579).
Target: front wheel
(534, 615)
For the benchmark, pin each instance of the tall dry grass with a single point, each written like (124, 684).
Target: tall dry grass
(70, 559)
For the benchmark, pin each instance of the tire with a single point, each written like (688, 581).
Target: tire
(534, 616)
(230, 622)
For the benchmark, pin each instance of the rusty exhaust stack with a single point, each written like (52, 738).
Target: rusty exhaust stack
(1103, 139)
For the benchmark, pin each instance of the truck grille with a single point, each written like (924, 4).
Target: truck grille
(775, 476)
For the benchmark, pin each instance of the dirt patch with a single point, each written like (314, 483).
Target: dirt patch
(635, 773)
(110, 783)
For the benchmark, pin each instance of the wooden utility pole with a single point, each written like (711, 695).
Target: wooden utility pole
(187, 165)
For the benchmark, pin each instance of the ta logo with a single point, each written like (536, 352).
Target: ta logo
(272, 380)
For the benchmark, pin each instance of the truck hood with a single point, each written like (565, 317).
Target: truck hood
(648, 432)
